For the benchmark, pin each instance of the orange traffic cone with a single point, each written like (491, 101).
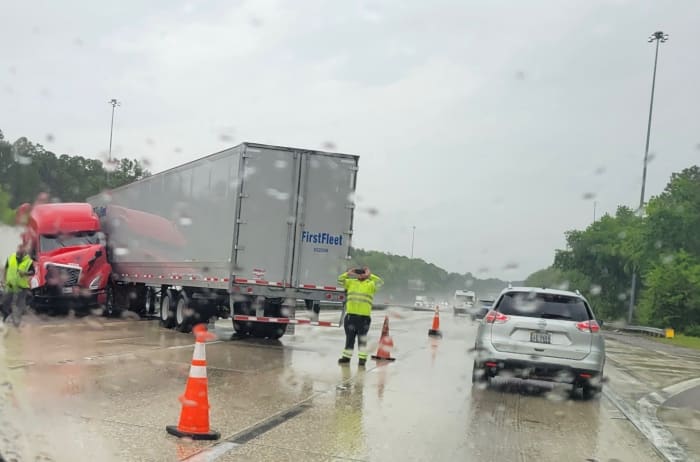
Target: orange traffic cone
(435, 330)
(386, 344)
(194, 416)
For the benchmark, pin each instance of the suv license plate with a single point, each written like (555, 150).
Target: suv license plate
(539, 337)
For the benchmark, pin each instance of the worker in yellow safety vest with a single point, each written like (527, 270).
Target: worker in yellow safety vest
(19, 267)
(360, 285)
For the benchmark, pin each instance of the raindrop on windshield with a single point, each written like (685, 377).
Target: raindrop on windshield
(279, 195)
(185, 221)
(667, 259)
(329, 146)
(596, 289)
(588, 196)
(121, 251)
(280, 163)
(50, 138)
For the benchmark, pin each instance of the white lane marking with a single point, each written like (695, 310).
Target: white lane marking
(214, 452)
(643, 417)
(673, 390)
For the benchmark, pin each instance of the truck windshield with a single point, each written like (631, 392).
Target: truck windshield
(51, 242)
(465, 298)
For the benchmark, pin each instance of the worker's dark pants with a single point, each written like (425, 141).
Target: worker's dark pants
(14, 304)
(356, 326)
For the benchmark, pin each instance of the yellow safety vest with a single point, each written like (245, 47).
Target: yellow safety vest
(360, 294)
(13, 280)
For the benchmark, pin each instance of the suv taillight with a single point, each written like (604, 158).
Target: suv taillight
(494, 317)
(588, 326)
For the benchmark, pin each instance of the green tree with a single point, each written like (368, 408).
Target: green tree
(27, 169)
(672, 294)
(604, 255)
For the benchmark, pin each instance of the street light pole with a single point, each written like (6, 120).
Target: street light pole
(595, 204)
(658, 37)
(114, 104)
(413, 240)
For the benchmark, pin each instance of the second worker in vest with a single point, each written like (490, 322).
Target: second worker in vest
(360, 285)
(19, 267)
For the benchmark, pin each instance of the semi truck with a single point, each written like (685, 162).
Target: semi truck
(71, 270)
(243, 233)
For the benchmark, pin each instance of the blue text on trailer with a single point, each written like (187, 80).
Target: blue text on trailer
(322, 238)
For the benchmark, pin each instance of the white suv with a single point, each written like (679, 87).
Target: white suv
(542, 334)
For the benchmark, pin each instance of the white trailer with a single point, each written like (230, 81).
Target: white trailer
(243, 233)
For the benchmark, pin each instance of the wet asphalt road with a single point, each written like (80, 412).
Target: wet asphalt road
(97, 389)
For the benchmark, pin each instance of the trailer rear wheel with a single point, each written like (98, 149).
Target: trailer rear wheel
(167, 309)
(274, 331)
(242, 327)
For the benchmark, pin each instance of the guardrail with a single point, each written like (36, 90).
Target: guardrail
(655, 331)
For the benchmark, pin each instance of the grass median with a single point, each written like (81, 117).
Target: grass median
(682, 340)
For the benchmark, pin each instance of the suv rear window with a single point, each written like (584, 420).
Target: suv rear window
(542, 305)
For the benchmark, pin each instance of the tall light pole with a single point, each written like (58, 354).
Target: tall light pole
(413, 240)
(114, 104)
(595, 204)
(658, 37)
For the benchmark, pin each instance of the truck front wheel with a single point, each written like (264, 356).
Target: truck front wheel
(111, 309)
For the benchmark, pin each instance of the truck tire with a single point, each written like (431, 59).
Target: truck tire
(242, 328)
(185, 316)
(268, 330)
(167, 309)
(111, 309)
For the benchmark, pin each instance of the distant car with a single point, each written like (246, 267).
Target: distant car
(479, 310)
(541, 334)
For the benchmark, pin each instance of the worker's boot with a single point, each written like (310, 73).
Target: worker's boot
(344, 360)
(362, 362)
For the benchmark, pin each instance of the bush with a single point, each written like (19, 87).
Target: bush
(693, 331)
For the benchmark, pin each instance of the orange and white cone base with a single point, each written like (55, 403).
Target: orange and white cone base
(386, 344)
(434, 331)
(194, 416)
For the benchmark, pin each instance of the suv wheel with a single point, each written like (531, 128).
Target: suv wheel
(479, 374)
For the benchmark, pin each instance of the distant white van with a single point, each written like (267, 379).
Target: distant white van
(462, 301)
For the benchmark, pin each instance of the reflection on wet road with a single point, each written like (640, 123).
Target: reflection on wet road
(105, 390)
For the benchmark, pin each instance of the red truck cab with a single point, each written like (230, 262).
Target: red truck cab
(70, 259)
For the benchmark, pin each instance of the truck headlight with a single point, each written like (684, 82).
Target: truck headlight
(95, 284)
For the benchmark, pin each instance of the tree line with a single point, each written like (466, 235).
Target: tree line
(405, 277)
(27, 168)
(660, 243)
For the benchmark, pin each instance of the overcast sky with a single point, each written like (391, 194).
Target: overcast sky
(487, 125)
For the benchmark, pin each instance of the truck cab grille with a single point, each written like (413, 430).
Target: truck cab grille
(62, 275)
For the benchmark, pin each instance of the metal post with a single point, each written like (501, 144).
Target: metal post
(595, 203)
(413, 240)
(658, 36)
(114, 104)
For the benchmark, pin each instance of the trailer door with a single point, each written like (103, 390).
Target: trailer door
(325, 213)
(265, 224)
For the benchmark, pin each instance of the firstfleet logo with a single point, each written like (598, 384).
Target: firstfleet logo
(322, 238)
